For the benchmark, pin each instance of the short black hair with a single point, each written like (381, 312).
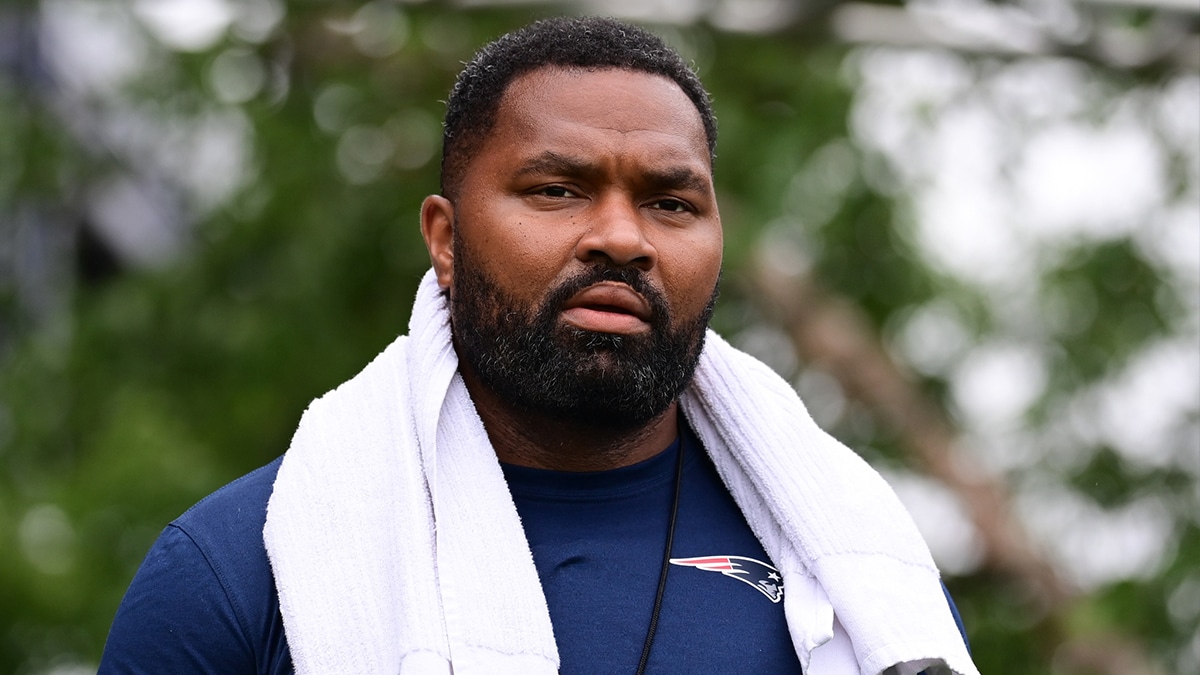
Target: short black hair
(567, 42)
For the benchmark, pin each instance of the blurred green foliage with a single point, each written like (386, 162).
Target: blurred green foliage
(150, 386)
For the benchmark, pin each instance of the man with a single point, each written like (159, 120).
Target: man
(557, 470)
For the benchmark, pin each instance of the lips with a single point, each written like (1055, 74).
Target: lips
(608, 307)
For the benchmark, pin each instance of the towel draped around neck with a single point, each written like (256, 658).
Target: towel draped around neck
(390, 495)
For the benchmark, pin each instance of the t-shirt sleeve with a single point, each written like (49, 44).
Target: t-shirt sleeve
(962, 629)
(176, 617)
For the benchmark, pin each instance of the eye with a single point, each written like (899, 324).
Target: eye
(555, 191)
(672, 205)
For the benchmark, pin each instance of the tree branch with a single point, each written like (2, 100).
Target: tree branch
(830, 332)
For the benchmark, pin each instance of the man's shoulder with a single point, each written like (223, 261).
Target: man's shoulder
(204, 600)
(232, 518)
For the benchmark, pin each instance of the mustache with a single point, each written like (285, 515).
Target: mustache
(599, 272)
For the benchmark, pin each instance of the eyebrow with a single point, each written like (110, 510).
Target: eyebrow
(557, 163)
(680, 178)
(551, 162)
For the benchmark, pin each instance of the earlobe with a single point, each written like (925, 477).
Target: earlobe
(437, 227)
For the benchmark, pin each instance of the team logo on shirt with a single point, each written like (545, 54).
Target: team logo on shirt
(760, 575)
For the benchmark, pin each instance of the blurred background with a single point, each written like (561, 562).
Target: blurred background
(969, 232)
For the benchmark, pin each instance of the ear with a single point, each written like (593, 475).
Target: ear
(437, 227)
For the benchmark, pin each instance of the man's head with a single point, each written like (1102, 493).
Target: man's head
(581, 242)
(574, 43)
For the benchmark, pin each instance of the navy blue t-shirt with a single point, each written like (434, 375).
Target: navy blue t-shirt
(598, 540)
(204, 600)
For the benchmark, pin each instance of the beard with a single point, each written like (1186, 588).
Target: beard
(531, 359)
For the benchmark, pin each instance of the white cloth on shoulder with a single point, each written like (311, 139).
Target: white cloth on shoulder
(396, 547)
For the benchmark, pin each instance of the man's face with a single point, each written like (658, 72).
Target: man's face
(587, 247)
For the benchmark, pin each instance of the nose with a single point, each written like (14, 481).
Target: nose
(617, 234)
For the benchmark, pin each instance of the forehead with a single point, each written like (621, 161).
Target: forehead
(612, 107)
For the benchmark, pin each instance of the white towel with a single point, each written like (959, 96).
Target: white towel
(396, 547)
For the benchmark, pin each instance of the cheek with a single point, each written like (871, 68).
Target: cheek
(531, 260)
(516, 251)
(696, 270)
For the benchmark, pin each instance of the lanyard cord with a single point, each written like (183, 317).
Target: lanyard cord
(666, 565)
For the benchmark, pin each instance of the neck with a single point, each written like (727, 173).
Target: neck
(542, 442)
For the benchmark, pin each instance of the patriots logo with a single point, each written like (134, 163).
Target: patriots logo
(758, 574)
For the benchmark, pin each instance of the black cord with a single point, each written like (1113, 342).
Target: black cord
(666, 566)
